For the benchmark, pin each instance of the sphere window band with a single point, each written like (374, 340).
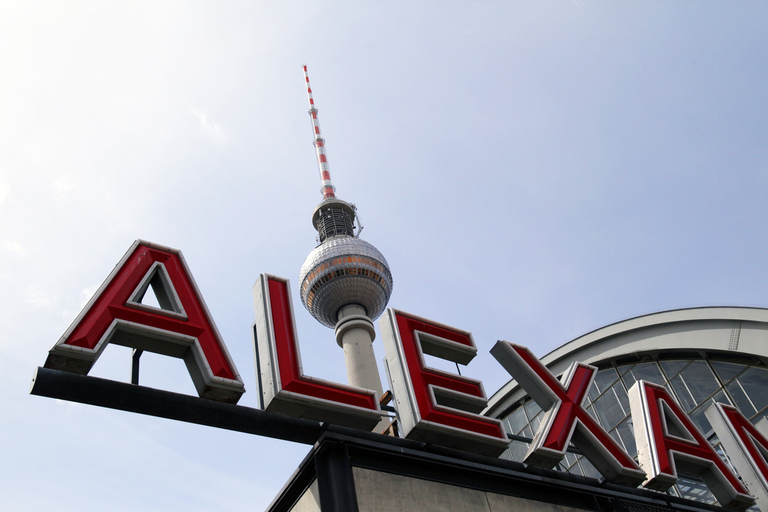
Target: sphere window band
(339, 273)
(694, 383)
(339, 261)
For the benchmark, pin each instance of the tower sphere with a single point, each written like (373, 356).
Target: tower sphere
(343, 271)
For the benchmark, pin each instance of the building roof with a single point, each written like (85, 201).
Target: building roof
(729, 332)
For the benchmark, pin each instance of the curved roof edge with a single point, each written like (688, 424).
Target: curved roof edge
(729, 329)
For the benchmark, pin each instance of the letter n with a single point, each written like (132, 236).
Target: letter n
(746, 447)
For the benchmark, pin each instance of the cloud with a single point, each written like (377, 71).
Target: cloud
(36, 297)
(3, 192)
(86, 294)
(63, 185)
(82, 300)
(209, 128)
(14, 247)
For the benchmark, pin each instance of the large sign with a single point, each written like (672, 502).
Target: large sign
(433, 406)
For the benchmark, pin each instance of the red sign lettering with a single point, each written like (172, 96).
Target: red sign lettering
(284, 387)
(433, 405)
(565, 419)
(667, 440)
(181, 327)
(745, 445)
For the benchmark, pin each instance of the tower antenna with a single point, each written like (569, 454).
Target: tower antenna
(328, 189)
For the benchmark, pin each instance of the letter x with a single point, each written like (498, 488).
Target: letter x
(565, 419)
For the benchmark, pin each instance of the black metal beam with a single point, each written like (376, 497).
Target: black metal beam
(361, 449)
(165, 404)
(135, 362)
(174, 406)
(335, 482)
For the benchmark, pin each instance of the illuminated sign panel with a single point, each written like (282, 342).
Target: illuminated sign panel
(284, 387)
(565, 419)
(181, 327)
(433, 405)
(746, 447)
(667, 439)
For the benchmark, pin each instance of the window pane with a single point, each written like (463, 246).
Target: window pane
(618, 388)
(588, 469)
(609, 410)
(535, 422)
(646, 371)
(627, 435)
(517, 450)
(649, 372)
(527, 432)
(672, 368)
(700, 380)
(699, 417)
(531, 409)
(594, 391)
(576, 470)
(727, 371)
(740, 399)
(754, 381)
(616, 437)
(517, 420)
(721, 397)
(700, 420)
(683, 396)
(692, 488)
(603, 380)
(760, 416)
(629, 380)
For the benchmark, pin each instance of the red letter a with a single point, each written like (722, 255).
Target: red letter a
(667, 440)
(181, 327)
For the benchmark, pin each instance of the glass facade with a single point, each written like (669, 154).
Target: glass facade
(695, 383)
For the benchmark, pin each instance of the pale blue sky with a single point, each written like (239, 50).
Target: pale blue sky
(532, 170)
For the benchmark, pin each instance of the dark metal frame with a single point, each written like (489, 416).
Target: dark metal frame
(338, 449)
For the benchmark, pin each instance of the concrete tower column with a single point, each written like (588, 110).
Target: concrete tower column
(355, 334)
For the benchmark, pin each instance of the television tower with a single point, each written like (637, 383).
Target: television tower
(345, 282)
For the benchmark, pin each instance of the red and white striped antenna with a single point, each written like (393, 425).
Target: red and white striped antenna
(319, 142)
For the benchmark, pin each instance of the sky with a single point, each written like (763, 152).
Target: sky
(531, 170)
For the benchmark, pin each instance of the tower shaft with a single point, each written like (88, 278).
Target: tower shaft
(355, 334)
